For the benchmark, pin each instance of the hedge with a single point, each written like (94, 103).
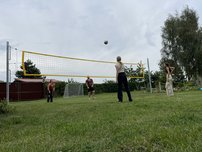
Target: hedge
(99, 88)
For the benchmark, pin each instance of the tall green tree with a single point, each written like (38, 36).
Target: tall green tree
(30, 69)
(181, 40)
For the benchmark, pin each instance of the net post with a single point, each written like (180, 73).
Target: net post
(23, 63)
(150, 85)
(7, 71)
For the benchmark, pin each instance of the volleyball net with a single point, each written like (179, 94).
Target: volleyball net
(54, 65)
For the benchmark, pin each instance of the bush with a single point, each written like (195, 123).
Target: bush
(59, 88)
(109, 87)
(182, 86)
(5, 108)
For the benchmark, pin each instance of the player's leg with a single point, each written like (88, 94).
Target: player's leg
(120, 94)
(89, 94)
(51, 96)
(93, 94)
(48, 97)
(125, 82)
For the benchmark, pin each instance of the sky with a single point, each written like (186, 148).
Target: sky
(78, 28)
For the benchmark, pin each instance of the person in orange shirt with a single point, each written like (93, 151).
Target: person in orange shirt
(50, 88)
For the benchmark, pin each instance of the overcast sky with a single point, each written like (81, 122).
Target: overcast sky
(78, 28)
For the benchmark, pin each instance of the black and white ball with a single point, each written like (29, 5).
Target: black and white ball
(105, 42)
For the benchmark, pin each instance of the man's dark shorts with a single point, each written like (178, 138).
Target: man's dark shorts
(91, 89)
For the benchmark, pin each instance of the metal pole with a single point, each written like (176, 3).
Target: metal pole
(150, 86)
(7, 72)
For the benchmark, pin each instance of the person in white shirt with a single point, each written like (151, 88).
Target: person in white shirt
(122, 80)
(169, 80)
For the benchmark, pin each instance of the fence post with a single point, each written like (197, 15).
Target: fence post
(7, 71)
(150, 86)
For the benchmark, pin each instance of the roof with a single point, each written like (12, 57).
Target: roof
(34, 80)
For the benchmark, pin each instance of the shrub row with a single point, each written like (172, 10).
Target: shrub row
(99, 88)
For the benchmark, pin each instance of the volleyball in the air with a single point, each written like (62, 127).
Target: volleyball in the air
(105, 42)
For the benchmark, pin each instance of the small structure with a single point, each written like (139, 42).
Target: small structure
(24, 89)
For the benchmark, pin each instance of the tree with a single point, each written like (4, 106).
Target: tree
(181, 40)
(30, 69)
(138, 72)
(155, 78)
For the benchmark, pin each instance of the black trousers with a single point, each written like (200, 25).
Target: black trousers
(122, 80)
(50, 96)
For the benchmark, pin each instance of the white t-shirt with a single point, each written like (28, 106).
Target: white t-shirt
(119, 67)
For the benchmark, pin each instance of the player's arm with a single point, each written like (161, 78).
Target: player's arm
(116, 73)
(172, 69)
(87, 84)
(53, 86)
(116, 76)
(167, 69)
(48, 88)
(92, 83)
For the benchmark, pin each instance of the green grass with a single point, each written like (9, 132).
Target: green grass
(153, 122)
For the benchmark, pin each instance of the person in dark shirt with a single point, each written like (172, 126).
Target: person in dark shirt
(91, 90)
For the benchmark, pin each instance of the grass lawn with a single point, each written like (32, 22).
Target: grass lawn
(152, 122)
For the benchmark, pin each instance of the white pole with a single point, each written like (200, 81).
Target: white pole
(7, 72)
(150, 86)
